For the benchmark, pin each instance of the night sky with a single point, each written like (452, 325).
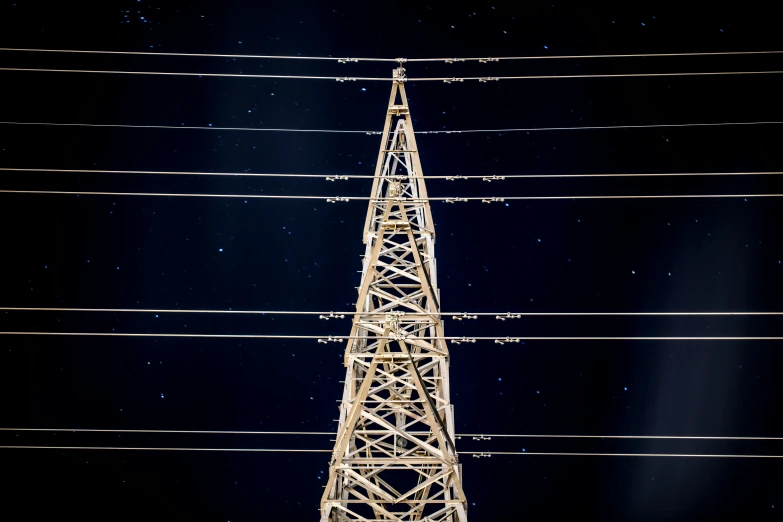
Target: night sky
(624, 255)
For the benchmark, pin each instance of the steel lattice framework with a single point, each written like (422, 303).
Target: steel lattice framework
(394, 457)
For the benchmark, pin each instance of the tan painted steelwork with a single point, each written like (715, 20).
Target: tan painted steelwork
(394, 457)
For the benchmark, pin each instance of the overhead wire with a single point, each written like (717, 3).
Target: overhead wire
(487, 79)
(588, 56)
(453, 339)
(203, 55)
(474, 453)
(565, 454)
(483, 79)
(637, 437)
(335, 199)
(334, 177)
(598, 127)
(377, 133)
(330, 433)
(181, 432)
(248, 450)
(334, 315)
(206, 75)
(331, 131)
(398, 60)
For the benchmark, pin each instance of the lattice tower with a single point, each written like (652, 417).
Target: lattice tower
(394, 457)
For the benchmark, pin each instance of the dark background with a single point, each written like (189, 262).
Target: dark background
(567, 255)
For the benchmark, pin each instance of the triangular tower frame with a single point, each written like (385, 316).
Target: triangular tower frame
(394, 457)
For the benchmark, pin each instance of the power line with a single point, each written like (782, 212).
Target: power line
(607, 127)
(207, 75)
(335, 177)
(189, 127)
(483, 79)
(341, 338)
(474, 453)
(342, 315)
(556, 454)
(211, 55)
(192, 173)
(248, 450)
(336, 199)
(398, 60)
(190, 432)
(586, 56)
(331, 433)
(488, 79)
(637, 437)
(373, 133)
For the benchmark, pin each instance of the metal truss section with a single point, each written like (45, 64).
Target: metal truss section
(394, 457)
